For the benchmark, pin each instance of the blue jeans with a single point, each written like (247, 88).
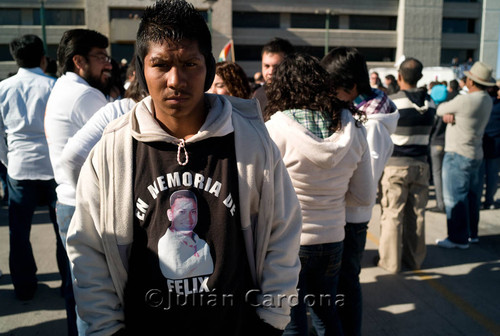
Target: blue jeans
(489, 171)
(461, 196)
(76, 326)
(350, 311)
(4, 193)
(317, 288)
(437, 155)
(24, 197)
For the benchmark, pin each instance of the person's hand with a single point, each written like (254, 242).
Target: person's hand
(449, 118)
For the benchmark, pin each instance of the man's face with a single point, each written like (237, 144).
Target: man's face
(269, 62)
(97, 70)
(219, 87)
(469, 83)
(175, 75)
(183, 214)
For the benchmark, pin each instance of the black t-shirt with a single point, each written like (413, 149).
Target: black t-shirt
(188, 269)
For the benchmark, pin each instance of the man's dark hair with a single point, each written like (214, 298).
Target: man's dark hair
(411, 71)
(27, 51)
(278, 45)
(454, 85)
(391, 78)
(300, 82)
(492, 91)
(173, 21)
(479, 86)
(77, 42)
(347, 67)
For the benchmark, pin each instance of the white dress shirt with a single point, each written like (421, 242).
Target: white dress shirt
(23, 147)
(79, 146)
(184, 257)
(71, 104)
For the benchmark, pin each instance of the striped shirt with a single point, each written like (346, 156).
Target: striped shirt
(417, 112)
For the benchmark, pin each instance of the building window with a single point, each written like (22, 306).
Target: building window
(60, 17)
(122, 50)
(317, 21)
(459, 26)
(253, 52)
(318, 52)
(10, 17)
(378, 54)
(448, 54)
(366, 22)
(247, 52)
(125, 13)
(5, 53)
(256, 20)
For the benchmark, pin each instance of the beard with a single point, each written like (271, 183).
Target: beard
(98, 83)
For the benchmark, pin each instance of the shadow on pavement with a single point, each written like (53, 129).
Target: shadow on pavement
(451, 295)
(50, 328)
(488, 249)
(46, 298)
(433, 303)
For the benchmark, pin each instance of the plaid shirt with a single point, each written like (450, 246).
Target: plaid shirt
(316, 122)
(377, 103)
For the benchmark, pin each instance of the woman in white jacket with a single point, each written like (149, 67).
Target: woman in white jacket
(326, 154)
(349, 74)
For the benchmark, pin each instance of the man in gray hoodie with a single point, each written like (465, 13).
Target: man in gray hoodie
(181, 139)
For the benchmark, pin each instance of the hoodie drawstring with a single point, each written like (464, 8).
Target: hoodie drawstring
(182, 145)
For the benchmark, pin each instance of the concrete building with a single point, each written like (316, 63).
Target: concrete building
(433, 31)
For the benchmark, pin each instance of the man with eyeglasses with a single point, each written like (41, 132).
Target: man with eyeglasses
(85, 70)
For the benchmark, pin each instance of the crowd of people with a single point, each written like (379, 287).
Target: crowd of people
(176, 191)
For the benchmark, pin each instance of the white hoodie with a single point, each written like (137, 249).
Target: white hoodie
(379, 128)
(325, 174)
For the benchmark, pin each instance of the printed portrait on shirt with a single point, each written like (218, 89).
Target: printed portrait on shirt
(182, 253)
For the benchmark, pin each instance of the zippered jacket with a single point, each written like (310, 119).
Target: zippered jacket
(101, 231)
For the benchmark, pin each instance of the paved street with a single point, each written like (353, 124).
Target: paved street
(456, 293)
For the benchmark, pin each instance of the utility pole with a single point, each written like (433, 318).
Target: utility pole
(42, 23)
(327, 30)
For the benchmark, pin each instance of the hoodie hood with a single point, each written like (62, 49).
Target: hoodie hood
(146, 128)
(324, 153)
(389, 120)
(418, 99)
